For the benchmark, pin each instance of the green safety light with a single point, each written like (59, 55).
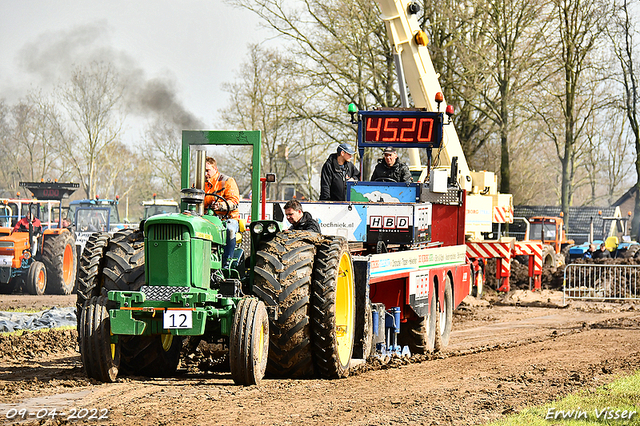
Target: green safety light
(352, 110)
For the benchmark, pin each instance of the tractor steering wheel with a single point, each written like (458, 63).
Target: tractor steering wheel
(385, 179)
(227, 209)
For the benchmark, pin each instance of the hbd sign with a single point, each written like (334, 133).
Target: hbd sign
(389, 222)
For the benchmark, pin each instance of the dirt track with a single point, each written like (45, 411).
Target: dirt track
(501, 358)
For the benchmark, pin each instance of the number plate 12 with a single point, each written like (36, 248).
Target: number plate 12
(177, 318)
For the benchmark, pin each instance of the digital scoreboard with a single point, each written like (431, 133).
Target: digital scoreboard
(401, 129)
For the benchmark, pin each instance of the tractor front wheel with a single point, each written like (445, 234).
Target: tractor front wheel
(249, 342)
(100, 357)
(36, 279)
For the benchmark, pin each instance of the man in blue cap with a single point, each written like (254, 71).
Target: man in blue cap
(337, 170)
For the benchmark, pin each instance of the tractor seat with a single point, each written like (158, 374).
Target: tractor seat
(242, 226)
(611, 243)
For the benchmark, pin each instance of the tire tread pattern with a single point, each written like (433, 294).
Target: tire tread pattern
(283, 280)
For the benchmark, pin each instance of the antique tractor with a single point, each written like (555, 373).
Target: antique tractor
(141, 292)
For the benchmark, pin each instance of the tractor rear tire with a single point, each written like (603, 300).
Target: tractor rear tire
(420, 334)
(89, 280)
(333, 309)
(444, 318)
(282, 281)
(100, 357)
(153, 356)
(120, 266)
(36, 279)
(249, 342)
(59, 257)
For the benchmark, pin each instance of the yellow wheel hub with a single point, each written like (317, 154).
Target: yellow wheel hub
(167, 340)
(345, 309)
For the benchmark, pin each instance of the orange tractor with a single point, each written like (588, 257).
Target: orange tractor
(36, 252)
(551, 233)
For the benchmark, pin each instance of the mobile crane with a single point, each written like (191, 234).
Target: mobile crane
(485, 205)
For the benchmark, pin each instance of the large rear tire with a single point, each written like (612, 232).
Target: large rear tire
(36, 279)
(59, 257)
(282, 280)
(420, 333)
(444, 318)
(333, 309)
(249, 342)
(121, 267)
(100, 357)
(89, 276)
(151, 356)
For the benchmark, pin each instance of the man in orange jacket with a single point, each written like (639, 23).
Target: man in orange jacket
(225, 187)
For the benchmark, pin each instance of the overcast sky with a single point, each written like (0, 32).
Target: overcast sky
(188, 48)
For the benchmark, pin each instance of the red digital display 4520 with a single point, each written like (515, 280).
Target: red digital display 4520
(415, 129)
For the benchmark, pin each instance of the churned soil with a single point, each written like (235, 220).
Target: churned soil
(506, 352)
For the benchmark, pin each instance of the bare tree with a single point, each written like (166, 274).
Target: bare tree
(625, 49)
(458, 45)
(515, 28)
(339, 51)
(163, 152)
(91, 121)
(570, 85)
(267, 97)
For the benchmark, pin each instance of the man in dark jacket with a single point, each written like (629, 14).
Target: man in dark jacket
(337, 170)
(299, 220)
(389, 169)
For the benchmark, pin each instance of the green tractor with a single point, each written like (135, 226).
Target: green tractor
(286, 308)
(141, 292)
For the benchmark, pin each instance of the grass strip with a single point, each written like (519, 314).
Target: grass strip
(616, 403)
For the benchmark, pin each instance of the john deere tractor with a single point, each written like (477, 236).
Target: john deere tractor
(141, 292)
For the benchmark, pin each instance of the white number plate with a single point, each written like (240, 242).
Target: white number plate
(177, 318)
(5, 260)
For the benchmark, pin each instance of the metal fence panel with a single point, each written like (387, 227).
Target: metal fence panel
(601, 282)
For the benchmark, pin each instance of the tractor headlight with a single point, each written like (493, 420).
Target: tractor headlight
(258, 228)
(271, 228)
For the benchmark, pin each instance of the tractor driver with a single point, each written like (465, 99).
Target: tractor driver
(36, 226)
(23, 224)
(225, 187)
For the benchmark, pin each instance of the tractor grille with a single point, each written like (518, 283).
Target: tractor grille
(6, 243)
(168, 232)
(161, 292)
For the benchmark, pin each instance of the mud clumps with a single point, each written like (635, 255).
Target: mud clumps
(33, 345)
